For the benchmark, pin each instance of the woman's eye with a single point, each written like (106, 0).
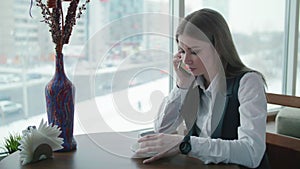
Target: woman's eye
(194, 52)
(181, 51)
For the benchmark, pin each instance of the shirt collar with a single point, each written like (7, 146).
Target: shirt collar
(200, 82)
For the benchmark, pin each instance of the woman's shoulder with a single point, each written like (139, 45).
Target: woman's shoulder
(252, 80)
(252, 76)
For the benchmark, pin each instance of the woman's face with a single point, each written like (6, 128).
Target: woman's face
(195, 54)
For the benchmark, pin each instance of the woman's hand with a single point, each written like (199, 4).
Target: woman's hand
(183, 79)
(164, 144)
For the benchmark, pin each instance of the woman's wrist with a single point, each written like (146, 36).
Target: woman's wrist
(181, 86)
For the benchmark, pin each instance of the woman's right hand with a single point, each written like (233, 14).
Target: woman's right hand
(183, 79)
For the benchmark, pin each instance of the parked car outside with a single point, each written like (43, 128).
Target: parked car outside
(9, 78)
(31, 76)
(9, 107)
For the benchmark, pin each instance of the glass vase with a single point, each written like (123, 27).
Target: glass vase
(60, 94)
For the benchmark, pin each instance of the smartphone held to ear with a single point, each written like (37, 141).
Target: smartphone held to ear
(182, 67)
(146, 132)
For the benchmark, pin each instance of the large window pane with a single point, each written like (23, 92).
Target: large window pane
(258, 33)
(118, 46)
(128, 55)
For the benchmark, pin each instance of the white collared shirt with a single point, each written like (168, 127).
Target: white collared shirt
(248, 149)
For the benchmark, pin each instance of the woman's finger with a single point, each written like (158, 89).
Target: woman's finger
(151, 149)
(148, 138)
(154, 158)
(169, 152)
(150, 143)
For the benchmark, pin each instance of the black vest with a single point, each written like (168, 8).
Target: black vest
(231, 118)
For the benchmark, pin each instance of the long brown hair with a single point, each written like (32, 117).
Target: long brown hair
(214, 27)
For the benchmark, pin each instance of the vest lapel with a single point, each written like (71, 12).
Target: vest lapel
(217, 122)
(220, 102)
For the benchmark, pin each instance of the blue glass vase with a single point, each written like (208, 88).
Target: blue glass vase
(60, 94)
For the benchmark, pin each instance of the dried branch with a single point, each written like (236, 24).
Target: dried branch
(82, 8)
(52, 3)
(55, 28)
(45, 12)
(60, 31)
(70, 21)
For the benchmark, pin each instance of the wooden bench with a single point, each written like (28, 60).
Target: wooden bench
(283, 151)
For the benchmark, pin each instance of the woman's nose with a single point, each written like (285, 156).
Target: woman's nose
(187, 58)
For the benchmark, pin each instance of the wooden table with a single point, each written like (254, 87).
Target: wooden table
(106, 150)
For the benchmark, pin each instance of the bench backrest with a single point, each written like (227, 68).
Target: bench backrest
(283, 151)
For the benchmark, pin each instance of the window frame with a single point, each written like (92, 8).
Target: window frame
(177, 11)
(290, 47)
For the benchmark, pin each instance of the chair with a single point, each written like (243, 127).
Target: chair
(283, 151)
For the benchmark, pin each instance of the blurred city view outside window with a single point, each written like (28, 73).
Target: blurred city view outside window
(119, 58)
(92, 60)
(258, 33)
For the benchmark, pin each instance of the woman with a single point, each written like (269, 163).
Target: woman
(230, 117)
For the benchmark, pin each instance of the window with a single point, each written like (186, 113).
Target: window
(118, 56)
(258, 36)
(128, 59)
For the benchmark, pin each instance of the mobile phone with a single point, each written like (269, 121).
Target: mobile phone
(146, 132)
(183, 68)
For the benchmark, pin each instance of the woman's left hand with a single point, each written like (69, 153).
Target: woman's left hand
(164, 144)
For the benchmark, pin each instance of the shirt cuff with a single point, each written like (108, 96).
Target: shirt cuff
(196, 143)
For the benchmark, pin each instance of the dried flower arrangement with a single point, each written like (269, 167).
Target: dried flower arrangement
(59, 91)
(53, 16)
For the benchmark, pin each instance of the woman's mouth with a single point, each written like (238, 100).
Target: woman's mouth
(192, 69)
